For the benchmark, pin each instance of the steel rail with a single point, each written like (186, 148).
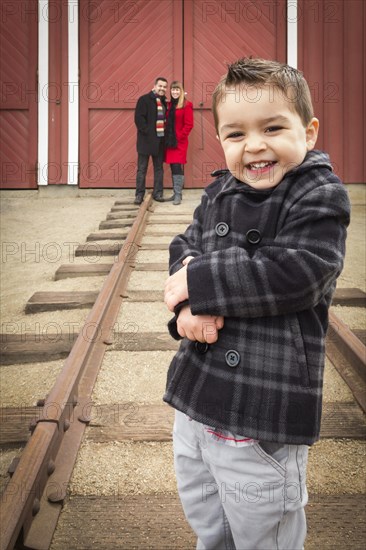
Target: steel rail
(352, 363)
(49, 455)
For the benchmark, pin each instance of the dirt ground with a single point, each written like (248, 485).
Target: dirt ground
(38, 234)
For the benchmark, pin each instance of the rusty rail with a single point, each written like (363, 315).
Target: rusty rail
(32, 500)
(348, 355)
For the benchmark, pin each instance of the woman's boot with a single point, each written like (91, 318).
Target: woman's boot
(178, 182)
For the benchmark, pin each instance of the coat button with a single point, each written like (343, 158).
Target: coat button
(201, 347)
(222, 229)
(253, 236)
(232, 358)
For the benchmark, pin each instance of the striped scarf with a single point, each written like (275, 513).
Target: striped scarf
(160, 119)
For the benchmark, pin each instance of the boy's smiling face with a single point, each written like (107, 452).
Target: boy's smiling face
(262, 135)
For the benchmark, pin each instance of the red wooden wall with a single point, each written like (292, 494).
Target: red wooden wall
(122, 54)
(18, 99)
(214, 34)
(332, 56)
(58, 93)
(124, 45)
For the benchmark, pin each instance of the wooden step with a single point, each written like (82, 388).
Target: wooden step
(125, 208)
(15, 425)
(349, 297)
(143, 341)
(156, 521)
(145, 522)
(154, 422)
(68, 271)
(144, 295)
(35, 347)
(154, 295)
(120, 215)
(94, 270)
(131, 421)
(158, 266)
(51, 301)
(43, 347)
(129, 205)
(105, 236)
(361, 335)
(154, 246)
(97, 250)
(32, 347)
(167, 221)
(157, 233)
(115, 224)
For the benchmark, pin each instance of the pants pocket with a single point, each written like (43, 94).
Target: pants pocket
(275, 455)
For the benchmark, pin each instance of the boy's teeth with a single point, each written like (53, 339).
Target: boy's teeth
(258, 165)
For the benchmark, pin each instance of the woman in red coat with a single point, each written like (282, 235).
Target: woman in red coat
(178, 126)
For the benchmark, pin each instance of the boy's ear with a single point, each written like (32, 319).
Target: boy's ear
(312, 130)
(217, 137)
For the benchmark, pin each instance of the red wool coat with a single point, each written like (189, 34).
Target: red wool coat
(183, 126)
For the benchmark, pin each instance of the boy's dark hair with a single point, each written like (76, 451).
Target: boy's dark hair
(160, 78)
(258, 72)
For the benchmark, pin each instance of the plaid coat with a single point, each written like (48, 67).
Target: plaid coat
(267, 260)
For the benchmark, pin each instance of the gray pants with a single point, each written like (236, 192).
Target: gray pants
(240, 498)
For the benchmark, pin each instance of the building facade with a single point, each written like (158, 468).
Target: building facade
(72, 71)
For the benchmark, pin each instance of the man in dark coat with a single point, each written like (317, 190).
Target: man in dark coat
(149, 119)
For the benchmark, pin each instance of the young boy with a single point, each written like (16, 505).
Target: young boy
(251, 282)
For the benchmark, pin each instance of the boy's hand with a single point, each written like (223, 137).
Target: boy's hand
(176, 287)
(201, 328)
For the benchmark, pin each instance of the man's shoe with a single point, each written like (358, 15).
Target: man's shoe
(138, 200)
(158, 199)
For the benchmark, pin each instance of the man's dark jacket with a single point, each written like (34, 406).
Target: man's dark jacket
(268, 262)
(145, 119)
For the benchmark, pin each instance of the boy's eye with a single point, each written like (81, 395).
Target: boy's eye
(273, 128)
(235, 135)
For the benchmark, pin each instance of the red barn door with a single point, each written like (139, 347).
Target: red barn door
(333, 58)
(126, 45)
(18, 101)
(216, 33)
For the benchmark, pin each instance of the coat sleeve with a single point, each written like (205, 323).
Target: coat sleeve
(188, 120)
(291, 273)
(141, 115)
(183, 245)
(189, 243)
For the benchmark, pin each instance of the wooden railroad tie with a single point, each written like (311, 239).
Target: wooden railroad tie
(349, 297)
(50, 301)
(120, 215)
(96, 250)
(105, 236)
(124, 207)
(115, 224)
(157, 521)
(133, 421)
(89, 270)
(93, 270)
(47, 346)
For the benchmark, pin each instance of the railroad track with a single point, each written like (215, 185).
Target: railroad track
(38, 488)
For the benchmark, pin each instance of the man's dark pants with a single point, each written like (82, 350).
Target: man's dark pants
(142, 165)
